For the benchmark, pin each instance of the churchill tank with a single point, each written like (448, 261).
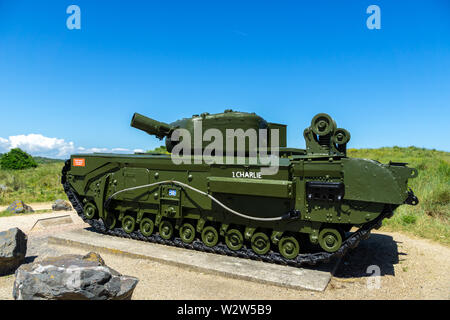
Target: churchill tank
(230, 185)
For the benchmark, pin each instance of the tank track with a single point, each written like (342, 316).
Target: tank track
(272, 257)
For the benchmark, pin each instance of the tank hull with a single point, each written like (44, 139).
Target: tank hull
(305, 196)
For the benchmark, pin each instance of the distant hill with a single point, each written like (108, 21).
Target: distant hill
(43, 160)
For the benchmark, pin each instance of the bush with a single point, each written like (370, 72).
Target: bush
(16, 159)
(159, 150)
(409, 219)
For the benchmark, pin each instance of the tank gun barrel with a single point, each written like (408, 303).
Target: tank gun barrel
(152, 127)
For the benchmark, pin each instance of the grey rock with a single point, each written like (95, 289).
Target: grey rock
(18, 206)
(3, 188)
(60, 204)
(72, 277)
(13, 248)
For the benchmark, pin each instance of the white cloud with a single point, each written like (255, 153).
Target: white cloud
(4, 144)
(91, 150)
(120, 150)
(39, 145)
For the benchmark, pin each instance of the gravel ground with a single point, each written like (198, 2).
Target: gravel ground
(410, 269)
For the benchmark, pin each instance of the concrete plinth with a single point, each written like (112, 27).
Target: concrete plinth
(316, 278)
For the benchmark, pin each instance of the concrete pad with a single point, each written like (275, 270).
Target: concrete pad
(26, 222)
(299, 278)
(51, 221)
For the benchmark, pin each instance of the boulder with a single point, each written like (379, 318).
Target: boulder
(72, 277)
(3, 188)
(13, 248)
(60, 204)
(19, 206)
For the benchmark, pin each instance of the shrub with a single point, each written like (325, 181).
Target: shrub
(444, 169)
(160, 149)
(409, 219)
(17, 159)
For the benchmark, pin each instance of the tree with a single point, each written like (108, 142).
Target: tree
(160, 149)
(17, 159)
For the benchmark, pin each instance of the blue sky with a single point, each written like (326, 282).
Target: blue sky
(285, 60)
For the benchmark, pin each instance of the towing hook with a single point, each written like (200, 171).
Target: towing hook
(291, 215)
(412, 199)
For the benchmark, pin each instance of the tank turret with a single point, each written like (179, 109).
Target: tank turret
(225, 124)
(322, 137)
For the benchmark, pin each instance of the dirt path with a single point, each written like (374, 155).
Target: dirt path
(410, 268)
(27, 222)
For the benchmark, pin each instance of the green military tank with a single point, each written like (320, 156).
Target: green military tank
(299, 213)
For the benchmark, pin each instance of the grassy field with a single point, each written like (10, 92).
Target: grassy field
(429, 219)
(40, 184)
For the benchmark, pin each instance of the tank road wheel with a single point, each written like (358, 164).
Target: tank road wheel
(210, 236)
(330, 239)
(166, 229)
(110, 221)
(289, 247)
(90, 210)
(128, 224)
(146, 226)
(187, 233)
(234, 239)
(260, 243)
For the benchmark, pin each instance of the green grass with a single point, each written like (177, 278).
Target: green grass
(41, 184)
(431, 217)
